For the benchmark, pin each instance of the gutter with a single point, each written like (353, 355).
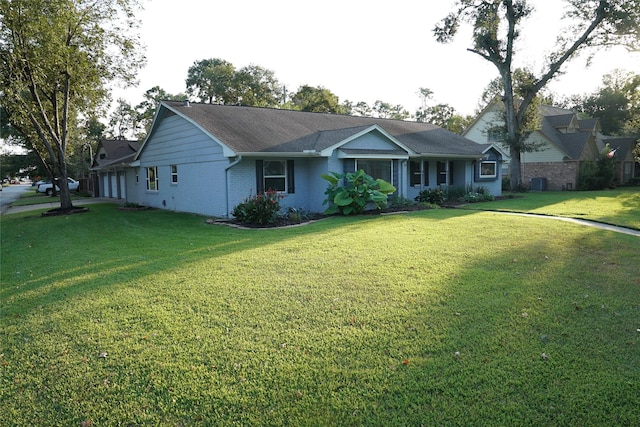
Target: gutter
(280, 155)
(226, 183)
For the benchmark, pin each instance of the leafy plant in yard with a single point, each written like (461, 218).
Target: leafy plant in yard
(351, 192)
(400, 202)
(480, 194)
(433, 196)
(259, 209)
(599, 174)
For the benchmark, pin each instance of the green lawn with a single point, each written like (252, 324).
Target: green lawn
(437, 317)
(618, 207)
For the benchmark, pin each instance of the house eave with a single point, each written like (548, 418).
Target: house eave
(448, 156)
(275, 154)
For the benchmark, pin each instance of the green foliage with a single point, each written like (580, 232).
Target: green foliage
(440, 195)
(352, 192)
(316, 100)
(599, 174)
(480, 194)
(400, 202)
(58, 59)
(616, 103)
(433, 196)
(496, 28)
(260, 209)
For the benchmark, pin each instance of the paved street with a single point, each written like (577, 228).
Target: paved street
(10, 194)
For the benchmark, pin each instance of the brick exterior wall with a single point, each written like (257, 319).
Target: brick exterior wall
(559, 175)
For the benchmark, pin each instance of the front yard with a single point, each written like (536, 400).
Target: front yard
(436, 317)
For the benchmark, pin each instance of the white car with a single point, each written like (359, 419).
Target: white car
(48, 188)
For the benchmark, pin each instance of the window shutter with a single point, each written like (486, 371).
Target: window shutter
(291, 185)
(259, 177)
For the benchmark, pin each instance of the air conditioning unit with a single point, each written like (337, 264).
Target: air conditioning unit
(538, 184)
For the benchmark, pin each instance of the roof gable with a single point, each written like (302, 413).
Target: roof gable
(114, 151)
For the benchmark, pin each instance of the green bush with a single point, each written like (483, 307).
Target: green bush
(260, 209)
(352, 192)
(400, 202)
(480, 194)
(597, 175)
(432, 196)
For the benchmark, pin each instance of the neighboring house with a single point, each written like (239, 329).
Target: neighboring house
(206, 158)
(109, 167)
(627, 169)
(564, 141)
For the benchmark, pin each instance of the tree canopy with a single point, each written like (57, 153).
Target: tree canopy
(56, 58)
(217, 81)
(593, 25)
(616, 103)
(316, 100)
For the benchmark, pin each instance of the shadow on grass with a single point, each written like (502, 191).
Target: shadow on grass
(337, 338)
(46, 260)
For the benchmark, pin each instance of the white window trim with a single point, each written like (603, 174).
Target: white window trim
(265, 176)
(495, 169)
(148, 181)
(174, 174)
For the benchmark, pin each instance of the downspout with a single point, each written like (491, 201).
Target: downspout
(226, 183)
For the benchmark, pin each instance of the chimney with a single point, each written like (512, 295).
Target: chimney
(186, 103)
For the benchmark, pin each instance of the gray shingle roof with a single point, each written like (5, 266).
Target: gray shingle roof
(255, 130)
(572, 144)
(117, 151)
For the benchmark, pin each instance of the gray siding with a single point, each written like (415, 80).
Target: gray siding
(200, 165)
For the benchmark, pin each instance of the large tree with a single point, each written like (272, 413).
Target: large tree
(146, 110)
(316, 100)
(211, 81)
(616, 103)
(595, 24)
(257, 87)
(56, 58)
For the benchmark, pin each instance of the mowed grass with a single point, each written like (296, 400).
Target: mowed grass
(617, 207)
(440, 317)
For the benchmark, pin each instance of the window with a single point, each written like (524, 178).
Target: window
(275, 175)
(419, 176)
(152, 178)
(442, 173)
(488, 169)
(495, 135)
(378, 169)
(174, 174)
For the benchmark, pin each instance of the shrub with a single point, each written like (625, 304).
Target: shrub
(456, 192)
(432, 196)
(480, 194)
(597, 175)
(260, 209)
(400, 202)
(351, 193)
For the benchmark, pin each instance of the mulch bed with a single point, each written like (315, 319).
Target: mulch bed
(66, 211)
(285, 222)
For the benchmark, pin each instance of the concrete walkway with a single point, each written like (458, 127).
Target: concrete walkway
(56, 204)
(595, 224)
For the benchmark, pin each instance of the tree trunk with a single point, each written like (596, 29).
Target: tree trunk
(515, 169)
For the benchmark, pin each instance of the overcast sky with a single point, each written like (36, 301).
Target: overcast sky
(361, 50)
